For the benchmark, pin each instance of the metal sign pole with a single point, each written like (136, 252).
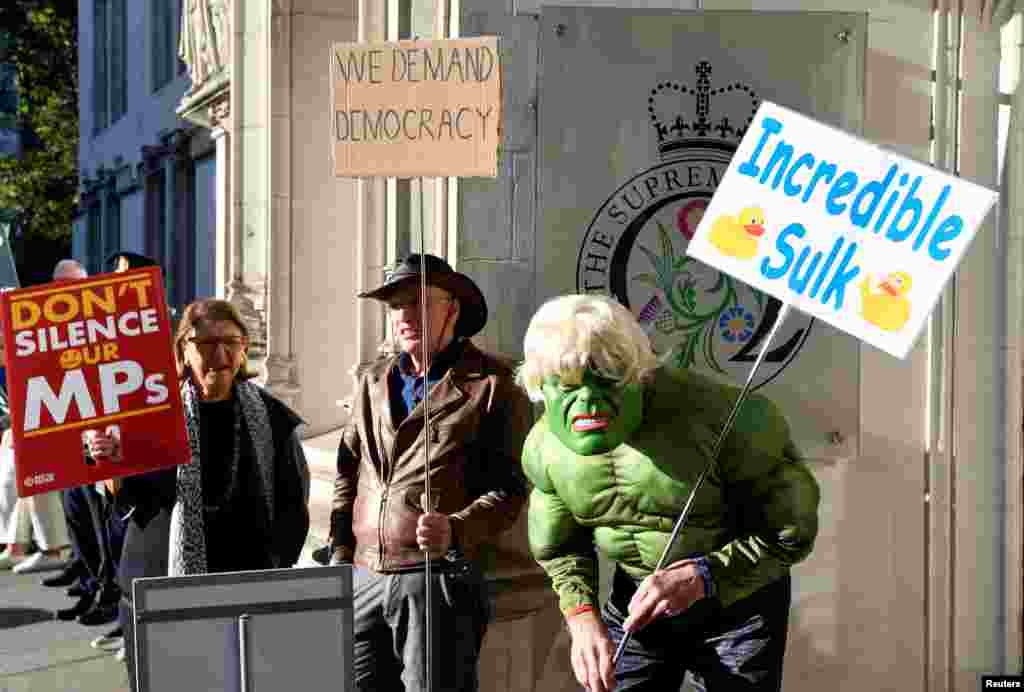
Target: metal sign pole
(243, 647)
(428, 499)
(681, 521)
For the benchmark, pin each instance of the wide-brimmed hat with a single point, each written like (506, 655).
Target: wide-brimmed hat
(135, 260)
(472, 306)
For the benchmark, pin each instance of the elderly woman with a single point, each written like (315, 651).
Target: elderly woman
(241, 504)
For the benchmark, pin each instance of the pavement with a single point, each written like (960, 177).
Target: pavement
(39, 653)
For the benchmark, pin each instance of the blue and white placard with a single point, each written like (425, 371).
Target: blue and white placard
(838, 227)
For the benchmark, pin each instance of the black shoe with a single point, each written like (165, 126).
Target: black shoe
(83, 606)
(66, 577)
(322, 555)
(100, 614)
(77, 591)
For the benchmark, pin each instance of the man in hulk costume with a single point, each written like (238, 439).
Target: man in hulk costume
(613, 461)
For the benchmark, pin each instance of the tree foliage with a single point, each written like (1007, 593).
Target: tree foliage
(40, 187)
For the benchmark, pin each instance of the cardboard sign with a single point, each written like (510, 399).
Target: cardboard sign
(86, 355)
(838, 227)
(416, 108)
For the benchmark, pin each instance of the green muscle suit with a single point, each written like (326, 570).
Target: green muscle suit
(754, 517)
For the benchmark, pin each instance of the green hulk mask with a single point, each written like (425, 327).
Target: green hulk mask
(594, 416)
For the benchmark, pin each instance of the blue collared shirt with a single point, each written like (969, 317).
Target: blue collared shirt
(405, 389)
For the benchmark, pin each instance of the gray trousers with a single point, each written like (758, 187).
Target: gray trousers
(390, 630)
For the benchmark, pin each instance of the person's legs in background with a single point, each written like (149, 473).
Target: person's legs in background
(18, 533)
(113, 640)
(50, 532)
(79, 510)
(76, 569)
(110, 538)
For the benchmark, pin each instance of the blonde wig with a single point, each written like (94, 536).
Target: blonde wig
(571, 333)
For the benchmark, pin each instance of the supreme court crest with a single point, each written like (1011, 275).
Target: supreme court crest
(635, 246)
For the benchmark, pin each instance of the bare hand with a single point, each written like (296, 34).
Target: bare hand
(103, 446)
(434, 533)
(592, 652)
(8, 439)
(113, 485)
(666, 593)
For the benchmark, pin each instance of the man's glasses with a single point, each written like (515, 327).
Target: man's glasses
(207, 346)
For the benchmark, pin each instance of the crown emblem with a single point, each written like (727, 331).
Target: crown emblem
(671, 102)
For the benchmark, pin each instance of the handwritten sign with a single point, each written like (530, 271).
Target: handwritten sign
(85, 355)
(416, 108)
(838, 227)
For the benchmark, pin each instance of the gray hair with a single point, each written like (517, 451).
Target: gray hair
(69, 269)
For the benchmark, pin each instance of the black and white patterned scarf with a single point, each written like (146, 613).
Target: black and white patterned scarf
(188, 532)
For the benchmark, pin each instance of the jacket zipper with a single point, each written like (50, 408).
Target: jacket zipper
(380, 528)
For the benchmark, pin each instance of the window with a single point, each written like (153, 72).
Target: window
(110, 86)
(156, 223)
(111, 229)
(205, 228)
(165, 22)
(94, 239)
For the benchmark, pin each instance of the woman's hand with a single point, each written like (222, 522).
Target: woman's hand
(103, 446)
(665, 593)
(592, 652)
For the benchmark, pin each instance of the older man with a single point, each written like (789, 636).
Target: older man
(97, 534)
(478, 420)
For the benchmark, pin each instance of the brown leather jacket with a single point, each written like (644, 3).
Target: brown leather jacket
(479, 419)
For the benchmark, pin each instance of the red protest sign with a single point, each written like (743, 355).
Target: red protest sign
(86, 355)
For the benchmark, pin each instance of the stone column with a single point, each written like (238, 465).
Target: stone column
(222, 261)
(171, 214)
(370, 221)
(280, 362)
(231, 116)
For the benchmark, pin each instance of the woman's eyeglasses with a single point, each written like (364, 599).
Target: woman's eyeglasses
(207, 346)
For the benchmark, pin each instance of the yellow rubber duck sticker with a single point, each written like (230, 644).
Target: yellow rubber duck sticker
(737, 236)
(885, 304)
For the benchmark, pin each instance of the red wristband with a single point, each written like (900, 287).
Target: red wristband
(579, 609)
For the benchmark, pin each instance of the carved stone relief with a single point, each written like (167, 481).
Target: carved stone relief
(205, 43)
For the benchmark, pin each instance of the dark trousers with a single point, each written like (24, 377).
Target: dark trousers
(727, 649)
(390, 630)
(67, 502)
(144, 554)
(97, 534)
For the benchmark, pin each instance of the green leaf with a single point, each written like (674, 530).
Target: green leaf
(667, 251)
